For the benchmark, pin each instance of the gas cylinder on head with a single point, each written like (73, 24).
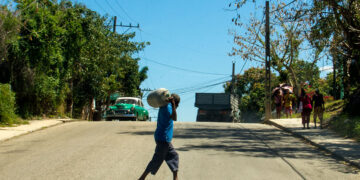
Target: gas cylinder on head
(158, 98)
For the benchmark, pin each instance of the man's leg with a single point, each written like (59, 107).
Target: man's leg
(321, 116)
(290, 112)
(307, 112)
(158, 158)
(172, 160)
(278, 112)
(316, 113)
(143, 176)
(303, 116)
(175, 177)
(308, 121)
(280, 109)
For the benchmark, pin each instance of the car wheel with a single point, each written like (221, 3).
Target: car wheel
(137, 117)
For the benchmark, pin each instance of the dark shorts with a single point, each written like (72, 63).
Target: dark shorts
(164, 151)
(306, 112)
(318, 111)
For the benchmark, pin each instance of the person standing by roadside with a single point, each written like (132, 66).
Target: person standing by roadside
(164, 150)
(307, 108)
(278, 101)
(288, 101)
(318, 104)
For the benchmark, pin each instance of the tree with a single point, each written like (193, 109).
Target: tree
(289, 41)
(338, 25)
(251, 90)
(9, 28)
(67, 56)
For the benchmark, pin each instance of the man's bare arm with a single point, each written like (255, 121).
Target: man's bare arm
(173, 114)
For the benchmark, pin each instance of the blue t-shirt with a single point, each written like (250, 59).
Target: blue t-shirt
(164, 129)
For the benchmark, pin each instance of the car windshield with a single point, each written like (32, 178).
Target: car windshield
(126, 101)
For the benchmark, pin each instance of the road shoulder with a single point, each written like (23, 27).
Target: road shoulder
(7, 133)
(325, 139)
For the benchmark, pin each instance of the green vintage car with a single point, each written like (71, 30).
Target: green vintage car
(127, 108)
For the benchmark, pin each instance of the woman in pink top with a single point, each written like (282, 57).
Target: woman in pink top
(307, 108)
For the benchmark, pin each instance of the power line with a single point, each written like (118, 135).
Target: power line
(193, 87)
(196, 88)
(178, 45)
(191, 97)
(107, 2)
(123, 10)
(199, 84)
(183, 69)
(97, 3)
(207, 86)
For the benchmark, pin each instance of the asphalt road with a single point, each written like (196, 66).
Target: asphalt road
(121, 150)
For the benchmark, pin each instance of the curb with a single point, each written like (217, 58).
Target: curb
(323, 148)
(69, 120)
(60, 121)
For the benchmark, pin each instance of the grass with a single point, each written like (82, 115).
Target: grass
(15, 122)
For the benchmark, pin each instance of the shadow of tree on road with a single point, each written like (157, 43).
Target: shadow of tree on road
(260, 143)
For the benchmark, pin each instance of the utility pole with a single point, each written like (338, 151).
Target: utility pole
(121, 25)
(267, 66)
(233, 79)
(114, 29)
(147, 91)
(234, 98)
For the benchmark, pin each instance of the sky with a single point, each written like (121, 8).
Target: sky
(189, 44)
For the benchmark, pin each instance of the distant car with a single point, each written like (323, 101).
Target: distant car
(127, 108)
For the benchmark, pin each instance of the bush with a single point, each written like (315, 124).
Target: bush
(347, 125)
(7, 105)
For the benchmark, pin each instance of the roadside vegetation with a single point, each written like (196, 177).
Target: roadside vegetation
(8, 116)
(57, 58)
(303, 34)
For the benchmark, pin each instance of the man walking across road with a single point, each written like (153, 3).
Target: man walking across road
(164, 150)
(318, 103)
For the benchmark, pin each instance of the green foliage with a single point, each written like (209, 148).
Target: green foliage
(66, 56)
(7, 105)
(327, 85)
(8, 30)
(251, 90)
(307, 72)
(339, 29)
